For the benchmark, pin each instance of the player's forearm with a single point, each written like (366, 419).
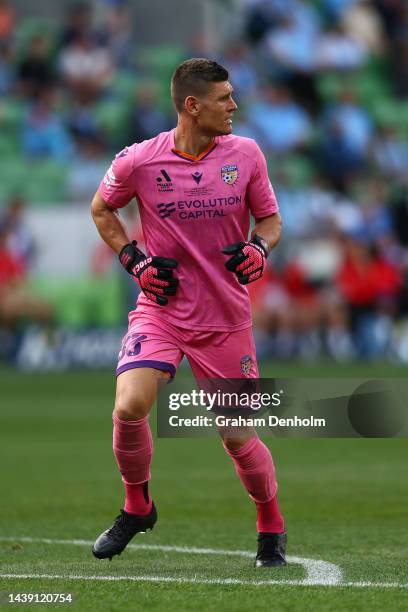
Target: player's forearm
(269, 229)
(109, 224)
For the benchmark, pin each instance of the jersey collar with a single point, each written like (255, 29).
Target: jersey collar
(187, 156)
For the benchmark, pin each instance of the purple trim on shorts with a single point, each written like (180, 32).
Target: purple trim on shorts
(148, 363)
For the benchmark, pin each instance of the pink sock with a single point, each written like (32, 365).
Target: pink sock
(254, 466)
(138, 500)
(133, 448)
(269, 518)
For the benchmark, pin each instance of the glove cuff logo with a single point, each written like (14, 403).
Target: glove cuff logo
(139, 266)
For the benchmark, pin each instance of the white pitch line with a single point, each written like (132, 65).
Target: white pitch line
(219, 581)
(317, 571)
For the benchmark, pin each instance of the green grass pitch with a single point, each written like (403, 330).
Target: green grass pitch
(345, 503)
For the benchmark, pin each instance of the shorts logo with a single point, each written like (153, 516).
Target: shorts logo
(246, 364)
(229, 174)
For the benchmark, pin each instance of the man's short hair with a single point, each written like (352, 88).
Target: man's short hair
(193, 77)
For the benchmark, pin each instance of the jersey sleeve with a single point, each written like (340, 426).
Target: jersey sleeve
(260, 194)
(117, 187)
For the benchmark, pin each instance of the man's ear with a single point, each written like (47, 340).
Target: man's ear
(192, 105)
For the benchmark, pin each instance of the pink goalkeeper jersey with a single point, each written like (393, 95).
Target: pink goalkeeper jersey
(190, 209)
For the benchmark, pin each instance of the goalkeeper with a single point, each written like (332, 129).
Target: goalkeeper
(196, 187)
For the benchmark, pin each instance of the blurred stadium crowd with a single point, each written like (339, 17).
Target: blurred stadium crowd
(323, 88)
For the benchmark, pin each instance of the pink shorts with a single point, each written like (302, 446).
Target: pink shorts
(151, 343)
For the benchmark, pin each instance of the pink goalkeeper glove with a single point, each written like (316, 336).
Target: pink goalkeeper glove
(154, 275)
(248, 259)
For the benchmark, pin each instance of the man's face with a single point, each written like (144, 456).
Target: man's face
(216, 109)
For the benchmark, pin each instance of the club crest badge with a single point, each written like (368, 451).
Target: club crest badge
(229, 174)
(246, 364)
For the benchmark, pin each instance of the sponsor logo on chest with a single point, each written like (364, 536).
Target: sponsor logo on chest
(203, 208)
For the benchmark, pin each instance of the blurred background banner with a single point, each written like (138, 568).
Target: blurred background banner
(322, 85)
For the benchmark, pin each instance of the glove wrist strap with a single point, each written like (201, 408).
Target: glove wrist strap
(130, 255)
(262, 243)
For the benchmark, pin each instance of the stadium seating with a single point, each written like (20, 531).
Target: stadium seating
(39, 182)
(84, 302)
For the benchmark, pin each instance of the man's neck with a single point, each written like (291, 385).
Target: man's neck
(191, 141)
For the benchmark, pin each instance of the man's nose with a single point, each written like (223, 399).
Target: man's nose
(234, 106)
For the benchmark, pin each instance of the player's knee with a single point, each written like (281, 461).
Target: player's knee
(235, 437)
(233, 444)
(131, 405)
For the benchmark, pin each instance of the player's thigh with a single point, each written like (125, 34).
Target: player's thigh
(223, 355)
(136, 392)
(227, 356)
(149, 354)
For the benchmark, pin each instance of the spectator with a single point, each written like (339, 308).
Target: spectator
(362, 22)
(85, 172)
(199, 45)
(287, 312)
(82, 121)
(293, 47)
(77, 23)
(273, 324)
(352, 120)
(284, 124)
(307, 213)
(146, 118)
(6, 69)
(339, 160)
(120, 39)
(334, 10)
(377, 219)
(35, 70)
(337, 50)
(7, 22)
(242, 73)
(370, 287)
(263, 16)
(390, 153)
(391, 13)
(20, 242)
(85, 67)
(242, 126)
(43, 133)
(16, 300)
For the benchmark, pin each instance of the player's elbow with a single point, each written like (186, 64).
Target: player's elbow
(98, 207)
(94, 207)
(275, 229)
